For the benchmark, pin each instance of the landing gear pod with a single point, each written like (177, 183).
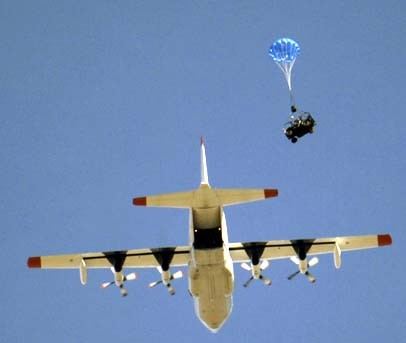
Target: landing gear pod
(83, 272)
(337, 256)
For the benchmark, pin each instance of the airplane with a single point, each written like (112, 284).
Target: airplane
(210, 256)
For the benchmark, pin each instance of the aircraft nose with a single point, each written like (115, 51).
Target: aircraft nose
(214, 330)
(215, 319)
(214, 326)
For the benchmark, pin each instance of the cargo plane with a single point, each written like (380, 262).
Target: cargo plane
(210, 256)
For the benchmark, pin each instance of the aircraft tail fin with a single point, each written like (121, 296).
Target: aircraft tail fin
(205, 196)
(203, 164)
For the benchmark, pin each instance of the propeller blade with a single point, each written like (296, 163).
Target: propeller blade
(177, 275)
(123, 291)
(313, 261)
(130, 277)
(265, 280)
(246, 266)
(290, 277)
(248, 281)
(264, 264)
(107, 284)
(171, 289)
(310, 277)
(153, 284)
(295, 260)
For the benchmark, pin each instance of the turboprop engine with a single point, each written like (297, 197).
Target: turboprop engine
(166, 278)
(119, 279)
(254, 251)
(304, 266)
(256, 271)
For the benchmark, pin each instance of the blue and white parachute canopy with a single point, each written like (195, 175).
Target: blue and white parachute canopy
(284, 52)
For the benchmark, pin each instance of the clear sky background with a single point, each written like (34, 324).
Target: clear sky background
(102, 101)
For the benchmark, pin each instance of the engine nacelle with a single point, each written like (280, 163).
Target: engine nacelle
(118, 278)
(303, 264)
(166, 277)
(256, 270)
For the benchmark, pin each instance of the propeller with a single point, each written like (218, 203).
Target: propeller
(119, 281)
(256, 270)
(304, 268)
(166, 278)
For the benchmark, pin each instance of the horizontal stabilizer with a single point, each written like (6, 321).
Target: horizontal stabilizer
(205, 198)
(229, 197)
(175, 200)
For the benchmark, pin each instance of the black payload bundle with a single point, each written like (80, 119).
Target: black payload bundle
(299, 125)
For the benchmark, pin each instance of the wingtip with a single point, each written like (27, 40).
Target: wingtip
(141, 201)
(269, 193)
(384, 240)
(34, 262)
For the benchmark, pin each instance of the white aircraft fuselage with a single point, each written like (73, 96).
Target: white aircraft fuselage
(211, 273)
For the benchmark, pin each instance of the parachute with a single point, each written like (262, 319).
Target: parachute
(284, 52)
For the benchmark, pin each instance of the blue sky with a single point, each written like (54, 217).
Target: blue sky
(103, 101)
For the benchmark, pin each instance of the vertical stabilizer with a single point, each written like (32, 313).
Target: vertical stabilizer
(203, 164)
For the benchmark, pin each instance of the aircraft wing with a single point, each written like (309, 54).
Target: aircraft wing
(254, 251)
(138, 258)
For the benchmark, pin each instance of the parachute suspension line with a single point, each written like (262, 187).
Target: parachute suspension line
(286, 69)
(287, 72)
(284, 52)
(293, 107)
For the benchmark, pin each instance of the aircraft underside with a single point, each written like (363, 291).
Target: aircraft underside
(211, 283)
(209, 255)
